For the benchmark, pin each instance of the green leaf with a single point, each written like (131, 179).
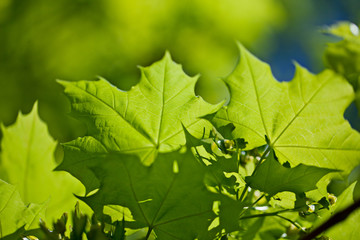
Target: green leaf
(27, 160)
(344, 56)
(174, 204)
(271, 177)
(14, 214)
(283, 200)
(303, 119)
(357, 97)
(145, 120)
(223, 175)
(159, 198)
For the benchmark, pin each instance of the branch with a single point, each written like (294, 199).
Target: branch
(335, 219)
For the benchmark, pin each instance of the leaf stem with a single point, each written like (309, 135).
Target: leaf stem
(292, 222)
(239, 159)
(253, 204)
(265, 154)
(148, 233)
(266, 214)
(244, 191)
(276, 214)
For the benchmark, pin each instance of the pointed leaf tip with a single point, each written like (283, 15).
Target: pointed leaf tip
(167, 55)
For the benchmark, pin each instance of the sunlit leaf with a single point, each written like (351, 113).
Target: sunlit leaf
(303, 119)
(27, 159)
(145, 120)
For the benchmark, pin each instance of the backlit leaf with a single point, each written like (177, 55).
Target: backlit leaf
(174, 204)
(146, 120)
(27, 160)
(303, 119)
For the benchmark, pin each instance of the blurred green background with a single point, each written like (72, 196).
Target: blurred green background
(42, 40)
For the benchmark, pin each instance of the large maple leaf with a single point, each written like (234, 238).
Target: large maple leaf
(145, 120)
(302, 119)
(169, 197)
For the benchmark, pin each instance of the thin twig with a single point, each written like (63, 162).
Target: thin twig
(253, 204)
(266, 152)
(267, 214)
(292, 222)
(335, 219)
(148, 233)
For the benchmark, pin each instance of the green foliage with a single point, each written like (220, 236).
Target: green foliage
(302, 119)
(27, 156)
(271, 177)
(76, 39)
(344, 56)
(27, 161)
(162, 197)
(145, 121)
(155, 167)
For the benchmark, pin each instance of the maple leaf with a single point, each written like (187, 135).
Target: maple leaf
(27, 161)
(271, 177)
(169, 197)
(145, 120)
(302, 119)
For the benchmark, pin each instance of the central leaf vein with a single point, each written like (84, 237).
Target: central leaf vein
(257, 96)
(117, 113)
(300, 111)
(162, 106)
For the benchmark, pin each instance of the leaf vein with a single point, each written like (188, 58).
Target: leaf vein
(8, 201)
(300, 111)
(257, 97)
(134, 194)
(122, 117)
(318, 148)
